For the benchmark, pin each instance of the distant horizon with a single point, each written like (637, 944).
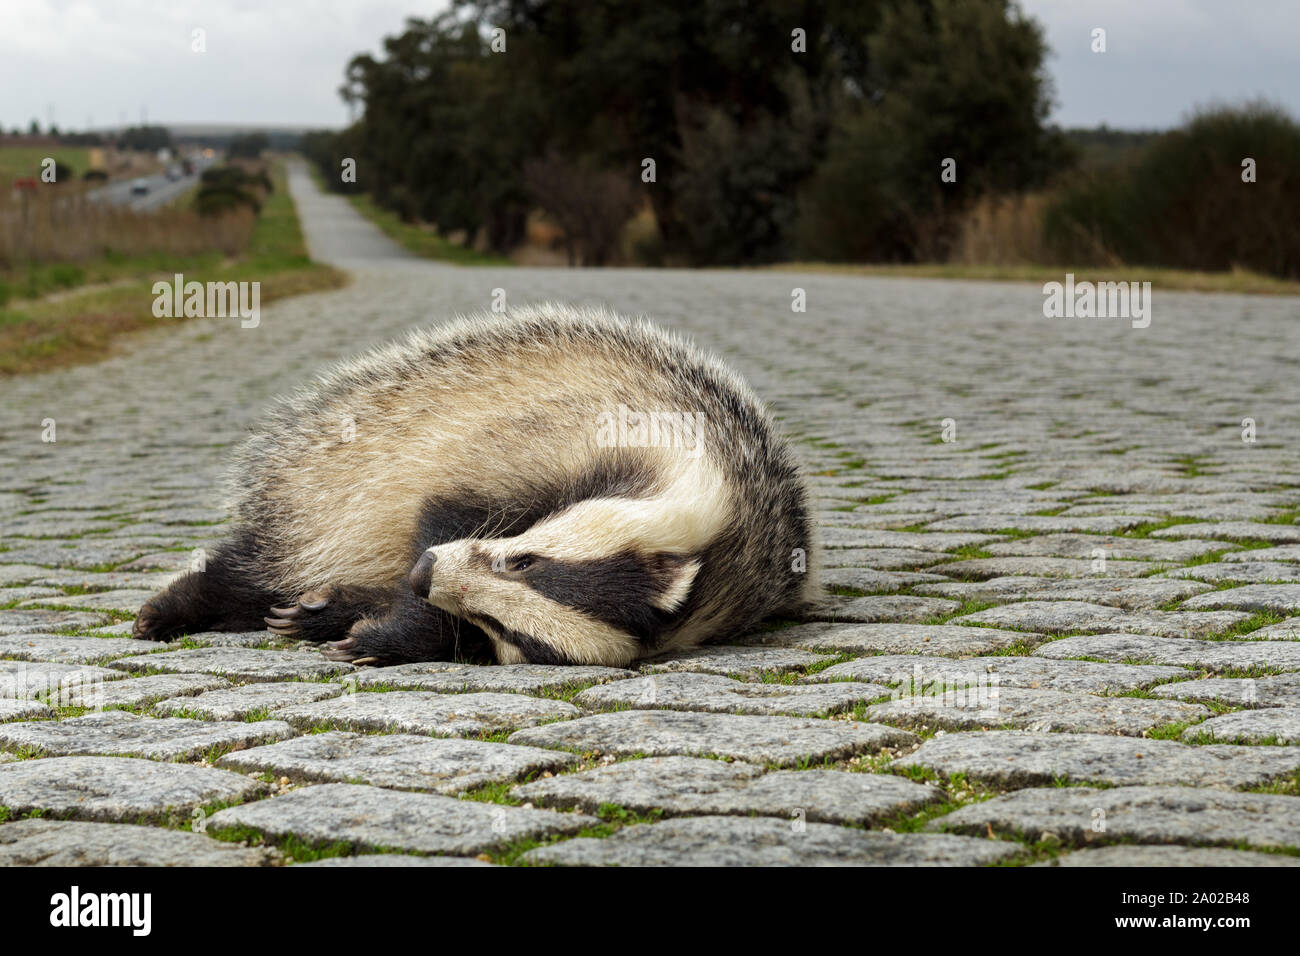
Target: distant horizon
(307, 128)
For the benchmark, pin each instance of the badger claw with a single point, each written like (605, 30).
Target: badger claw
(346, 651)
(313, 601)
(340, 650)
(295, 621)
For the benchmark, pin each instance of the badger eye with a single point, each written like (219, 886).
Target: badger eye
(521, 563)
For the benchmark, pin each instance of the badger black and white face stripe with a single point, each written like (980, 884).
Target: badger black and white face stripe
(596, 583)
(556, 611)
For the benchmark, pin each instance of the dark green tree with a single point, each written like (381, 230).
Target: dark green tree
(948, 79)
(247, 146)
(744, 107)
(1190, 199)
(145, 138)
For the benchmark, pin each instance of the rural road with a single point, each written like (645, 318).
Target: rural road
(161, 189)
(1094, 582)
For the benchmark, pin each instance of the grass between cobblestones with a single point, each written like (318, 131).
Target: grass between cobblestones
(956, 790)
(859, 486)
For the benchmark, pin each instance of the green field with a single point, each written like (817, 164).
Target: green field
(82, 326)
(17, 162)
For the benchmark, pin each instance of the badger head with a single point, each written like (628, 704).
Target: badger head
(595, 583)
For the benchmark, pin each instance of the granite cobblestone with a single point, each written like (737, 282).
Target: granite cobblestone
(1062, 546)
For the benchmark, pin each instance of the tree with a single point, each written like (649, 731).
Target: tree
(1221, 192)
(247, 146)
(148, 139)
(591, 205)
(663, 79)
(958, 80)
(763, 118)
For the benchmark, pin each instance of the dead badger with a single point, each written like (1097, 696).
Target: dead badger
(556, 487)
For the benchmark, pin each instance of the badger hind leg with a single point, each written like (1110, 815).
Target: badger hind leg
(412, 631)
(222, 597)
(328, 614)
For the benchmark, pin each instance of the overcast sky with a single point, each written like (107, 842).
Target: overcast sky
(281, 61)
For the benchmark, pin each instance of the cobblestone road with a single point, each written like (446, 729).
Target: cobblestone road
(1097, 582)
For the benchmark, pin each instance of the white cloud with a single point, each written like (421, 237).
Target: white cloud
(266, 62)
(1165, 57)
(282, 61)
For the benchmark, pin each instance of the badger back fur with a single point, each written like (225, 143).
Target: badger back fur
(574, 487)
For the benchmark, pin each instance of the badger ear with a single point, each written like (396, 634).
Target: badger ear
(674, 574)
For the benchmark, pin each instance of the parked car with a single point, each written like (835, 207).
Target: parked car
(139, 187)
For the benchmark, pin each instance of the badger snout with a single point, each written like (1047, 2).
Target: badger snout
(421, 576)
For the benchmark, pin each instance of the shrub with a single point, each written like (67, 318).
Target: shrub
(879, 194)
(736, 185)
(1182, 202)
(591, 206)
(248, 146)
(223, 189)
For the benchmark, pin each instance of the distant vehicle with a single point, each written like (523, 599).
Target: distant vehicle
(174, 172)
(187, 166)
(139, 187)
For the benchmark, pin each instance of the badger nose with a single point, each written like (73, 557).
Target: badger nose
(421, 576)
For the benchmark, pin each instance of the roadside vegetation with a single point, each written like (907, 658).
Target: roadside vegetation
(59, 238)
(421, 240)
(100, 294)
(851, 151)
(22, 162)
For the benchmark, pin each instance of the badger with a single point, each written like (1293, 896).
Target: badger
(551, 486)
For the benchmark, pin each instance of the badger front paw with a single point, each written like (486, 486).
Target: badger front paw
(315, 616)
(378, 642)
(164, 616)
(151, 622)
(409, 632)
(364, 646)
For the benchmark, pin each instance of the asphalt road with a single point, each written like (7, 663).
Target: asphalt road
(161, 189)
